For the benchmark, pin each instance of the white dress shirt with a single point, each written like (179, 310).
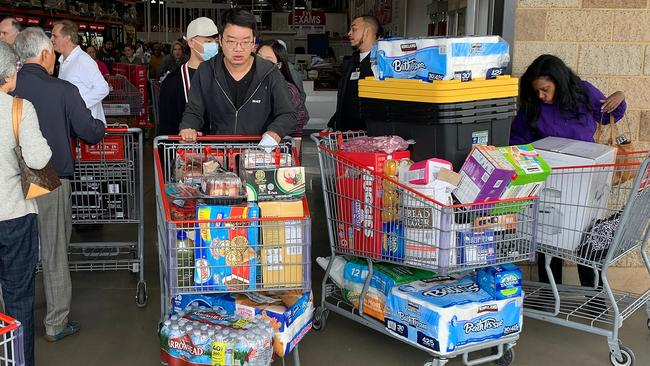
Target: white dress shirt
(82, 71)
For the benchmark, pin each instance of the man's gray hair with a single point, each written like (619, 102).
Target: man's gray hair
(8, 61)
(14, 23)
(31, 42)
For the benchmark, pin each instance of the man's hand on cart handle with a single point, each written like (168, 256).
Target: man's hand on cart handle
(189, 135)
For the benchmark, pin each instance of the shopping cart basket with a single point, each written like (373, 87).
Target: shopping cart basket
(11, 342)
(593, 216)
(413, 230)
(261, 254)
(155, 98)
(124, 99)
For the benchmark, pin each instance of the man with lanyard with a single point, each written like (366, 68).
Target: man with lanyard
(175, 89)
(79, 68)
(237, 92)
(363, 34)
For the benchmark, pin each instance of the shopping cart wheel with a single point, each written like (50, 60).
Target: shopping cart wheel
(507, 358)
(627, 357)
(141, 295)
(320, 318)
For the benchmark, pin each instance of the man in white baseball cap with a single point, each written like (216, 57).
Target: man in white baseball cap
(201, 39)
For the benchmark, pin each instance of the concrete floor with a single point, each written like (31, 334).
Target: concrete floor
(116, 332)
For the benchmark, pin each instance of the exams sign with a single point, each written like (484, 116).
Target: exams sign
(303, 17)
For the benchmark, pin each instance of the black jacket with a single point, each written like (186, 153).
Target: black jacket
(171, 105)
(337, 121)
(267, 106)
(61, 113)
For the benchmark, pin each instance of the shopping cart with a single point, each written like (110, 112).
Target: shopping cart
(11, 342)
(258, 256)
(155, 98)
(593, 216)
(124, 99)
(434, 242)
(107, 188)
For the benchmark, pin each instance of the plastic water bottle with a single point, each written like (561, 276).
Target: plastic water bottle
(185, 259)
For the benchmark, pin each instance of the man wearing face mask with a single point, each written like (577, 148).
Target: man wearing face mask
(363, 34)
(201, 39)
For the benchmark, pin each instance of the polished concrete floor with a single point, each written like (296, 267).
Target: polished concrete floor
(116, 332)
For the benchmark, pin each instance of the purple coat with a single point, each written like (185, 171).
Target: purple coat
(552, 122)
(301, 111)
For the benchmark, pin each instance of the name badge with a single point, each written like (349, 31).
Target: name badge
(355, 75)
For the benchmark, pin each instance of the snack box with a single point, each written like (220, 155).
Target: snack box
(530, 168)
(285, 244)
(226, 252)
(501, 282)
(424, 172)
(264, 184)
(477, 247)
(485, 175)
(445, 315)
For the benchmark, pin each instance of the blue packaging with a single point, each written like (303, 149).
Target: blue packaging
(392, 243)
(501, 282)
(477, 247)
(443, 316)
(226, 252)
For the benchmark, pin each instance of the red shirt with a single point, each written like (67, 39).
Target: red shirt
(102, 67)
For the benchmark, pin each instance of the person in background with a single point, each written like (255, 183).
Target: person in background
(129, 56)
(9, 29)
(363, 34)
(276, 53)
(295, 74)
(79, 68)
(554, 101)
(62, 113)
(18, 219)
(92, 52)
(175, 89)
(107, 54)
(238, 92)
(172, 61)
(156, 58)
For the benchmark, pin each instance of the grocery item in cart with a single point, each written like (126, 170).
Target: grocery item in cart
(191, 165)
(476, 247)
(264, 184)
(350, 275)
(530, 168)
(209, 337)
(225, 184)
(284, 243)
(445, 315)
(424, 172)
(226, 252)
(428, 59)
(501, 282)
(569, 200)
(183, 209)
(377, 144)
(484, 176)
(254, 159)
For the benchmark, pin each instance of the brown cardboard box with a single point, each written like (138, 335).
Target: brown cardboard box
(284, 242)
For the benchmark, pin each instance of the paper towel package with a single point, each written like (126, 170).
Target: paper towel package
(428, 59)
(443, 316)
(570, 200)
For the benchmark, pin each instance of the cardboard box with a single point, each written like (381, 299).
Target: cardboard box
(284, 245)
(530, 168)
(570, 202)
(226, 252)
(502, 282)
(484, 176)
(266, 184)
(477, 247)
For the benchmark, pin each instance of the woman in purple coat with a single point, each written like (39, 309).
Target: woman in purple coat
(554, 101)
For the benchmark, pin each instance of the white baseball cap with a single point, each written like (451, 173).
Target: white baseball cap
(201, 27)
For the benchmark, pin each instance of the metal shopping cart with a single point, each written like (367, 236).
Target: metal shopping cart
(11, 342)
(155, 98)
(124, 99)
(357, 226)
(107, 188)
(593, 216)
(258, 256)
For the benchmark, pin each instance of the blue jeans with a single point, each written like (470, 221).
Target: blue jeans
(18, 258)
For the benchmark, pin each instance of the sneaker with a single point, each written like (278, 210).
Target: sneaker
(70, 329)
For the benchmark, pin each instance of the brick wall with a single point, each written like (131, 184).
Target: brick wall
(607, 42)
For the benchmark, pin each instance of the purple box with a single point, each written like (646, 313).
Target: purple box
(484, 175)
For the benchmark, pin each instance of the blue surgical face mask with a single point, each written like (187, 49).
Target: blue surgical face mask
(209, 50)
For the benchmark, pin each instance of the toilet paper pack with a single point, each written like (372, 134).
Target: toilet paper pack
(443, 316)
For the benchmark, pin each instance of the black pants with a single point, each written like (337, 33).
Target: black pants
(586, 274)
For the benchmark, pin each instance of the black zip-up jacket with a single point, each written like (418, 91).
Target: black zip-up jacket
(267, 105)
(61, 112)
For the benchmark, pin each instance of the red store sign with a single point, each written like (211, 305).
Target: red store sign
(303, 17)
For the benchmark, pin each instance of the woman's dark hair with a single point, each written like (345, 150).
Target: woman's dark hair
(570, 94)
(240, 17)
(282, 56)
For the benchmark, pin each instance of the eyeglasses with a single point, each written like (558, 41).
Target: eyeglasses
(244, 44)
